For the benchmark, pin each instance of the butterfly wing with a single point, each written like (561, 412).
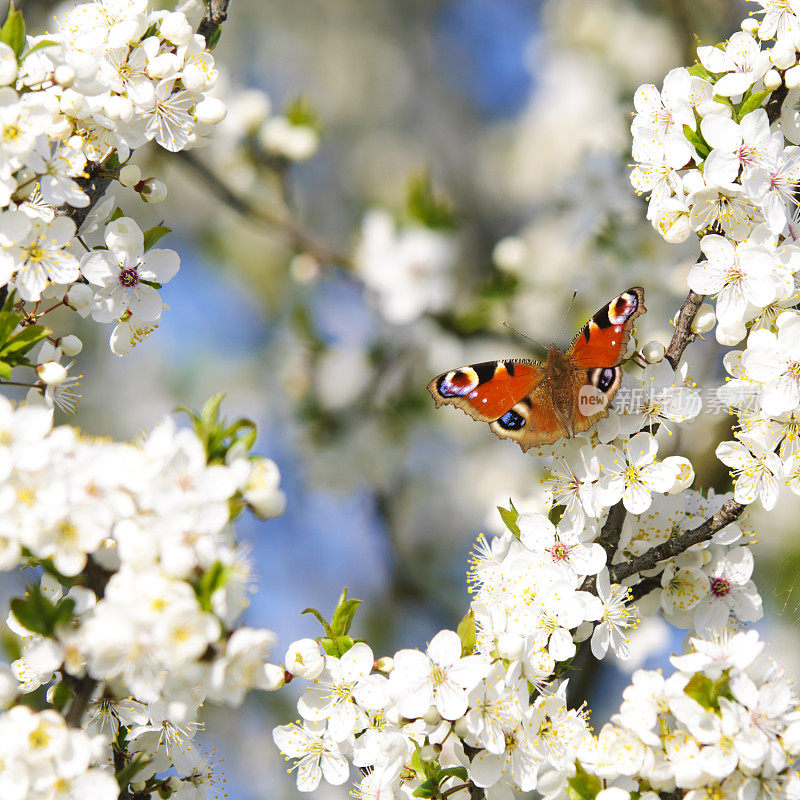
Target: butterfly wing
(601, 342)
(488, 390)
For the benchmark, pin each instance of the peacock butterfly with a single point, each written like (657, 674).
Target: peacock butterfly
(536, 404)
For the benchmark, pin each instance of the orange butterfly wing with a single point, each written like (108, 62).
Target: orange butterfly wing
(488, 390)
(601, 342)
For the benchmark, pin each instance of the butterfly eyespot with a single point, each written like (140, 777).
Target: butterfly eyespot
(458, 382)
(511, 421)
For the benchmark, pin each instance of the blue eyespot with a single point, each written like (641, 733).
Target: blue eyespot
(511, 421)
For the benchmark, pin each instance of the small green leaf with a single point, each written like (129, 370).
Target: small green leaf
(509, 517)
(466, 632)
(127, 774)
(116, 214)
(151, 31)
(428, 788)
(699, 71)
(5, 370)
(35, 611)
(701, 688)
(343, 614)
(152, 235)
(424, 207)
(583, 786)
(23, 341)
(752, 103)
(213, 39)
(61, 695)
(39, 46)
(8, 321)
(13, 31)
(322, 621)
(697, 141)
(455, 772)
(214, 578)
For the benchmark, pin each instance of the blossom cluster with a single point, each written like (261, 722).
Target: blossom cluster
(73, 106)
(143, 581)
(717, 151)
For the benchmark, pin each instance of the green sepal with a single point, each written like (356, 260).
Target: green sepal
(151, 31)
(301, 113)
(116, 214)
(13, 31)
(466, 632)
(152, 235)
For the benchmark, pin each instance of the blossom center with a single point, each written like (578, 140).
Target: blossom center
(438, 675)
(11, 132)
(720, 587)
(129, 277)
(560, 551)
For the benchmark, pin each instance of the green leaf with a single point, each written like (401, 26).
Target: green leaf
(39, 46)
(127, 774)
(152, 235)
(455, 772)
(424, 207)
(61, 695)
(116, 214)
(343, 614)
(35, 611)
(301, 113)
(707, 692)
(466, 632)
(322, 621)
(23, 341)
(214, 578)
(213, 39)
(5, 370)
(583, 786)
(8, 321)
(13, 31)
(428, 788)
(752, 103)
(509, 517)
(697, 141)
(699, 71)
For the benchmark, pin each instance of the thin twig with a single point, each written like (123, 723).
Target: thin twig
(243, 206)
(683, 328)
(730, 512)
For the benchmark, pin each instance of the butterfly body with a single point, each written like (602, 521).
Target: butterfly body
(536, 404)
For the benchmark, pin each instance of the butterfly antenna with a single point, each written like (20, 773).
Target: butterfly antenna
(525, 335)
(566, 313)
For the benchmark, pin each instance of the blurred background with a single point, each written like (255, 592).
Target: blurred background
(395, 180)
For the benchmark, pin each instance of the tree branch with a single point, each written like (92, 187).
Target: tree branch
(729, 513)
(243, 206)
(683, 328)
(216, 14)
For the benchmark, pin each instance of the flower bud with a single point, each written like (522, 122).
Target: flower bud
(385, 664)
(704, 319)
(782, 57)
(8, 65)
(261, 490)
(510, 253)
(750, 25)
(80, 298)
(130, 175)
(684, 473)
(428, 752)
(210, 111)
(64, 75)
(71, 345)
(8, 687)
(653, 352)
(792, 78)
(772, 80)
(51, 372)
(510, 646)
(176, 28)
(152, 190)
(461, 728)
(432, 717)
(274, 678)
(304, 659)
(304, 268)
(71, 102)
(162, 65)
